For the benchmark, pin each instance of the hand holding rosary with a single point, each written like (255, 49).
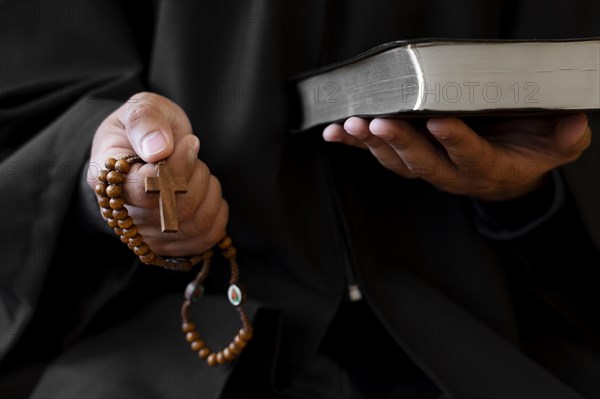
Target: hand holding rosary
(110, 191)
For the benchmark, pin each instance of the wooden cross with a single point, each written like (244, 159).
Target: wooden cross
(166, 185)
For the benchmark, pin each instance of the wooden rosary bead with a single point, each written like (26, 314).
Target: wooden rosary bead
(122, 166)
(112, 222)
(246, 334)
(220, 358)
(228, 354)
(126, 223)
(116, 203)
(102, 176)
(110, 163)
(132, 232)
(120, 214)
(118, 231)
(188, 326)
(114, 191)
(107, 213)
(142, 249)
(148, 258)
(114, 177)
(100, 188)
(233, 348)
(104, 202)
(192, 336)
(124, 239)
(197, 345)
(225, 243)
(212, 360)
(204, 353)
(136, 241)
(239, 342)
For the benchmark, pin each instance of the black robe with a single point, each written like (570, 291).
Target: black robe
(483, 315)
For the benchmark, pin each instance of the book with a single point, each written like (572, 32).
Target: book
(458, 77)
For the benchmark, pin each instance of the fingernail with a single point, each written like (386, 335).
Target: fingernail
(153, 143)
(438, 129)
(351, 125)
(377, 125)
(332, 133)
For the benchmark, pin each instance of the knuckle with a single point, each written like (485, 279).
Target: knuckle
(405, 172)
(138, 112)
(158, 246)
(413, 168)
(400, 144)
(186, 208)
(466, 161)
(144, 97)
(135, 194)
(203, 222)
(206, 174)
(215, 236)
(201, 245)
(394, 165)
(215, 184)
(582, 145)
(483, 187)
(422, 169)
(219, 226)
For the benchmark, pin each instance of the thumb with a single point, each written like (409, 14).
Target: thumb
(572, 134)
(148, 119)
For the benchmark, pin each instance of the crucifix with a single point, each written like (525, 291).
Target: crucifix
(166, 185)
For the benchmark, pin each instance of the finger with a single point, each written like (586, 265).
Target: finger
(204, 214)
(198, 243)
(218, 230)
(335, 133)
(526, 124)
(464, 147)
(184, 158)
(572, 135)
(387, 157)
(415, 150)
(153, 124)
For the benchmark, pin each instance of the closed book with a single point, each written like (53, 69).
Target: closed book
(454, 77)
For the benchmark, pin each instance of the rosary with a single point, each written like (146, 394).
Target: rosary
(109, 191)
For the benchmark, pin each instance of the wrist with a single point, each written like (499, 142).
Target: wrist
(511, 218)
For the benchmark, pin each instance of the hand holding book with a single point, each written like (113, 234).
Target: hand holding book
(502, 160)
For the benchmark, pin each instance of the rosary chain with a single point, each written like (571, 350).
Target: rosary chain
(109, 191)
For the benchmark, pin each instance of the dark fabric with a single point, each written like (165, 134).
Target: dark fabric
(357, 359)
(480, 318)
(505, 220)
(134, 355)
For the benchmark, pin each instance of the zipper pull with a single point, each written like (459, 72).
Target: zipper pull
(354, 293)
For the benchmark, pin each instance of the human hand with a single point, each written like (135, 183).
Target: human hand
(155, 128)
(504, 161)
